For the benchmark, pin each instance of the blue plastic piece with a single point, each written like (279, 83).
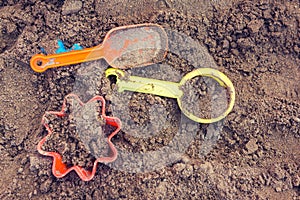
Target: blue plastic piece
(62, 48)
(77, 47)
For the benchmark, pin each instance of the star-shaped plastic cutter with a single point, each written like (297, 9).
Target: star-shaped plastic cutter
(59, 168)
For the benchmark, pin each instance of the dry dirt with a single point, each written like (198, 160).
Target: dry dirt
(256, 155)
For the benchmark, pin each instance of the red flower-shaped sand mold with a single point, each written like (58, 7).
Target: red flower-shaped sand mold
(59, 168)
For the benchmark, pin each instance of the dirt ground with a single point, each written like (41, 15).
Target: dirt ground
(256, 153)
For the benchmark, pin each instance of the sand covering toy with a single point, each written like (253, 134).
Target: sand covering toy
(173, 90)
(59, 168)
(123, 47)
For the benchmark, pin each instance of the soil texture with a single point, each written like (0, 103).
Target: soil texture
(254, 153)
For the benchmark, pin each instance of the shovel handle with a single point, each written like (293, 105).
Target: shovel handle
(41, 62)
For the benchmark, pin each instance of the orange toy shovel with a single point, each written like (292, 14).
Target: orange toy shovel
(123, 47)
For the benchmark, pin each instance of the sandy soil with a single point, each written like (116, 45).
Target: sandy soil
(254, 153)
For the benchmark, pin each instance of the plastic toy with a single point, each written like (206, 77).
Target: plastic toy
(123, 47)
(60, 169)
(62, 48)
(173, 90)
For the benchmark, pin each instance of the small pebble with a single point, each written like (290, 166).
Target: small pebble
(251, 146)
(179, 167)
(278, 189)
(255, 25)
(296, 119)
(20, 170)
(71, 6)
(225, 44)
(24, 160)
